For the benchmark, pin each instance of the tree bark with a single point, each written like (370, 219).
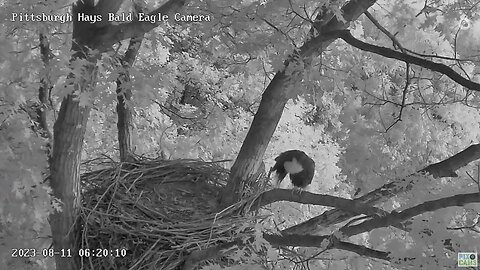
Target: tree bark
(65, 176)
(124, 93)
(444, 168)
(251, 153)
(45, 89)
(396, 217)
(68, 133)
(411, 59)
(331, 241)
(273, 102)
(276, 195)
(89, 40)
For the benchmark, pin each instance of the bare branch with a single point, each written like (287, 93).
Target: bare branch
(404, 96)
(332, 242)
(295, 240)
(385, 31)
(444, 168)
(389, 53)
(362, 250)
(198, 256)
(397, 217)
(276, 195)
(447, 168)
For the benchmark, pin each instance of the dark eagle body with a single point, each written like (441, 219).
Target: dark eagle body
(297, 164)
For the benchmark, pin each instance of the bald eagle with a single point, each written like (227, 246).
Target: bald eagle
(297, 164)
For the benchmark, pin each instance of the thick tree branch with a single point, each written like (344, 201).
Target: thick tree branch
(397, 217)
(383, 193)
(448, 167)
(351, 11)
(328, 31)
(389, 53)
(274, 98)
(276, 195)
(332, 242)
(124, 95)
(45, 87)
(198, 256)
(362, 250)
(324, 242)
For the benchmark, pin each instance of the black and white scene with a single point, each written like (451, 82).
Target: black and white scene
(239, 135)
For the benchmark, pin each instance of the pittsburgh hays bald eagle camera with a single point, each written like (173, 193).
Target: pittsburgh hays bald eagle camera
(297, 164)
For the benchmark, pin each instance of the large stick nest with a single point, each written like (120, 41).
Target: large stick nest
(156, 212)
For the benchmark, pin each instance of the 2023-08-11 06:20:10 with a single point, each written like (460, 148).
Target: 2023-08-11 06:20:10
(67, 253)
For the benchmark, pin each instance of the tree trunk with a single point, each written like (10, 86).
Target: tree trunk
(89, 40)
(45, 89)
(68, 133)
(124, 124)
(276, 96)
(124, 93)
(249, 158)
(69, 130)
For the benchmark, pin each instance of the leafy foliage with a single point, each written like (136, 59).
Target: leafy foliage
(196, 87)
